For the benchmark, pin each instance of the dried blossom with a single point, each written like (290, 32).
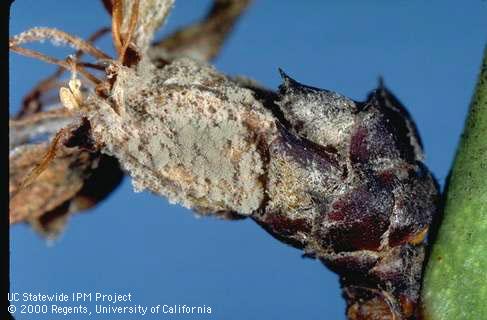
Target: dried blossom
(100, 175)
(340, 179)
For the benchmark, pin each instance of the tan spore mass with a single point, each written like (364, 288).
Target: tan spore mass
(188, 133)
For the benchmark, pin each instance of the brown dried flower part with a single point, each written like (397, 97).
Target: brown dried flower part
(151, 16)
(204, 39)
(81, 178)
(53, 189)
(76, 179)
(57, 184)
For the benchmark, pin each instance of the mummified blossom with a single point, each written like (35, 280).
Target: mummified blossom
(340, 179)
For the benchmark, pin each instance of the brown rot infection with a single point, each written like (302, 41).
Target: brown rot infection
(342, 180)
(347, 184)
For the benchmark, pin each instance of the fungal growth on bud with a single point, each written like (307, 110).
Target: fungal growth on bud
(346, 184)
(339, 179)
(188, 133)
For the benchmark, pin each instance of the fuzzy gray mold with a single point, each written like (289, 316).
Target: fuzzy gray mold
(340, 179)
(188, 133)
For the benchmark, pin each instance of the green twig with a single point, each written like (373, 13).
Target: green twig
(455, 285)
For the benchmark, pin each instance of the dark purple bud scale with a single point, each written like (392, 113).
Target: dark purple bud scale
(346, 183)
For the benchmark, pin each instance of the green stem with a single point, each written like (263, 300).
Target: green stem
(455, 285)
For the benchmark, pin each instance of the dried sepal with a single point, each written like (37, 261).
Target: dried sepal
(30, 126)
(72, 181)
(204, 39)
(59, 182)
(151, 16)
(57, 37)
(101, 180)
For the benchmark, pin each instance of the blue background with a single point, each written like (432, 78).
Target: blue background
(429, 54)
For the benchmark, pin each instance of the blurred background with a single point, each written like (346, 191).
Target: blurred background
(429, 55)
